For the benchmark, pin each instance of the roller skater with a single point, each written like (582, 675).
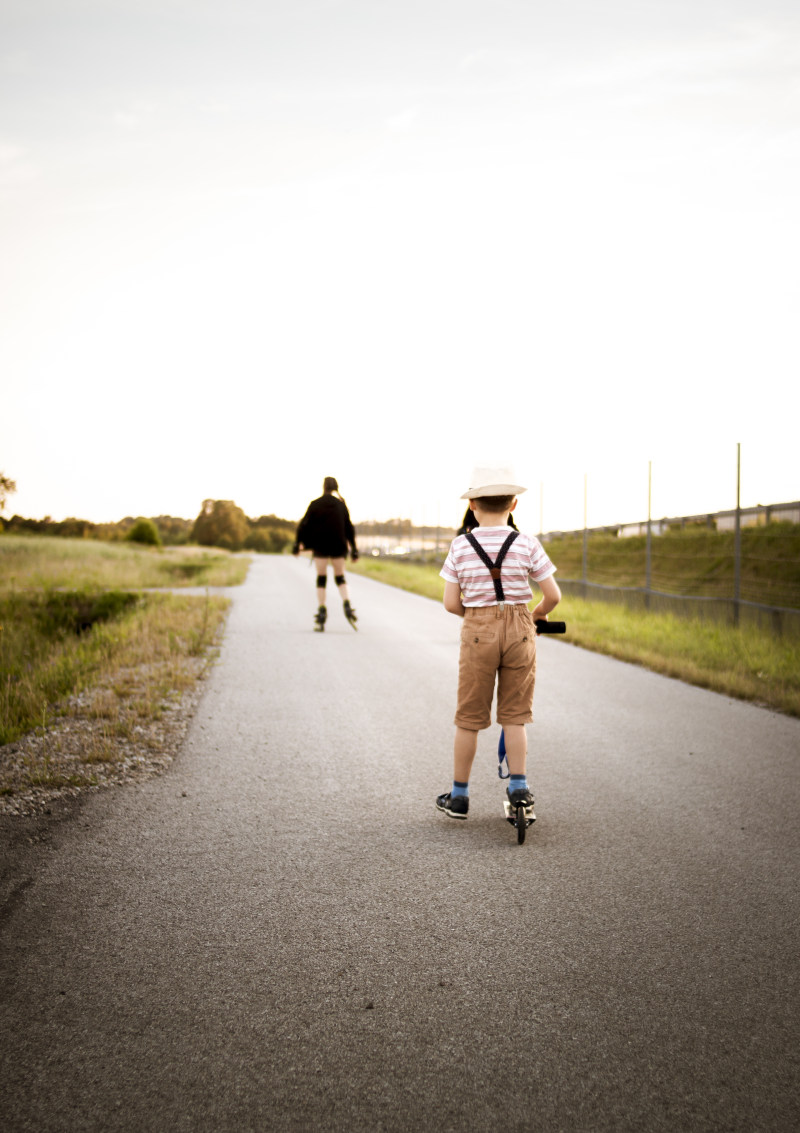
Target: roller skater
(327, 531)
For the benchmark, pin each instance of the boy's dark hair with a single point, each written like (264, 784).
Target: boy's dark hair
(469, 522)
(495, 503)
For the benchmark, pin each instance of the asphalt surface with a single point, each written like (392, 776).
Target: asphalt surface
(282, 933)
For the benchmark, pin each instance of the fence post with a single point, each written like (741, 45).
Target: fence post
(737, 540)
(649, 544)
(585, 532)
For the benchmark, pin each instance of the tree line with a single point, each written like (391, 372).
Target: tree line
(220, 524)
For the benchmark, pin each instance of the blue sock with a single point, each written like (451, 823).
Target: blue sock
(460, 790)
(517, 783)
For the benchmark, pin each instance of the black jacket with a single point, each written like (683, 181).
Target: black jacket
(326, 528)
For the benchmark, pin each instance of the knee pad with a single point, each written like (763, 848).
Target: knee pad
(322, 581)
(339, 579)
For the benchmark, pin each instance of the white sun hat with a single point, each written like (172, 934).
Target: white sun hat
(493, 480)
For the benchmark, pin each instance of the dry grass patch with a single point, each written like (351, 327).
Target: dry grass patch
(127, 692)
(42, 563)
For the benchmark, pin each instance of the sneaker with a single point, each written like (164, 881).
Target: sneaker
(454, 807)
(524, 798)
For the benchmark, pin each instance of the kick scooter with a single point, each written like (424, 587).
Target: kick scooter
(517, 815)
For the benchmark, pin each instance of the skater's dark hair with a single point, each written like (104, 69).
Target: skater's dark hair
(330, 485)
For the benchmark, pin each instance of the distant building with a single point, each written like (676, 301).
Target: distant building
(759, 516)
(657, 527)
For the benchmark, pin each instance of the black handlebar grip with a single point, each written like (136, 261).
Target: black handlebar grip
(543, 626)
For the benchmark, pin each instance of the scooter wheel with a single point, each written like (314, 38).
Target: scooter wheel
(521, 824)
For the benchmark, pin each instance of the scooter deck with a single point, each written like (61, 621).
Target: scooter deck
(511, 814)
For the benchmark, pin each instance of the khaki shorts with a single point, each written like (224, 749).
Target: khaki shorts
(497, 643)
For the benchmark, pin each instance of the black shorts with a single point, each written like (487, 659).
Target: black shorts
(330, 549)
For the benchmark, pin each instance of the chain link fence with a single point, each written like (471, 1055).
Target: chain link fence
(741, 566)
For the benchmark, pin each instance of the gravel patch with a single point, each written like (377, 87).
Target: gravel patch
(99, 739)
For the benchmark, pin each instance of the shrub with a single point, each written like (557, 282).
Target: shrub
(268, 541)
(221, 524)
(144, 531)
(76, 611)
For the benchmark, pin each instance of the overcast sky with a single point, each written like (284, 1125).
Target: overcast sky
(245, 245)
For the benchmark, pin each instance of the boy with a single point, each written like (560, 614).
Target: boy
(486, 577)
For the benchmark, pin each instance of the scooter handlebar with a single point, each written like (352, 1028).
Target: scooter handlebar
(543, 626)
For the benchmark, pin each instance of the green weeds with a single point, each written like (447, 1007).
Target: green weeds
(419, 578)
(49, 651)
(92, 664)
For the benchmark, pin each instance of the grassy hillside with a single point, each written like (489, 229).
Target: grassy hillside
(693, 561)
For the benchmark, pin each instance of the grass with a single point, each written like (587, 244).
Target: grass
(41, 562)
(83, 707)
(748, 664)
(43, 660)
(91, 656)
(419, 578)
(694, 560)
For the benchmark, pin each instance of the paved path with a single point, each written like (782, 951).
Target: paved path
(210, 952)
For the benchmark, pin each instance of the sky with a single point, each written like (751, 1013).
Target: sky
(247, 245)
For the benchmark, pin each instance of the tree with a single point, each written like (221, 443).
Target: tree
(144, 531)
(7, 488)
(268, 540)
(221, 524)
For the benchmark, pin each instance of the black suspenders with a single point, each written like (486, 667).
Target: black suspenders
(494, 567)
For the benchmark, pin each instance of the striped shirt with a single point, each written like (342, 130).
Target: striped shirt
(525, 559)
